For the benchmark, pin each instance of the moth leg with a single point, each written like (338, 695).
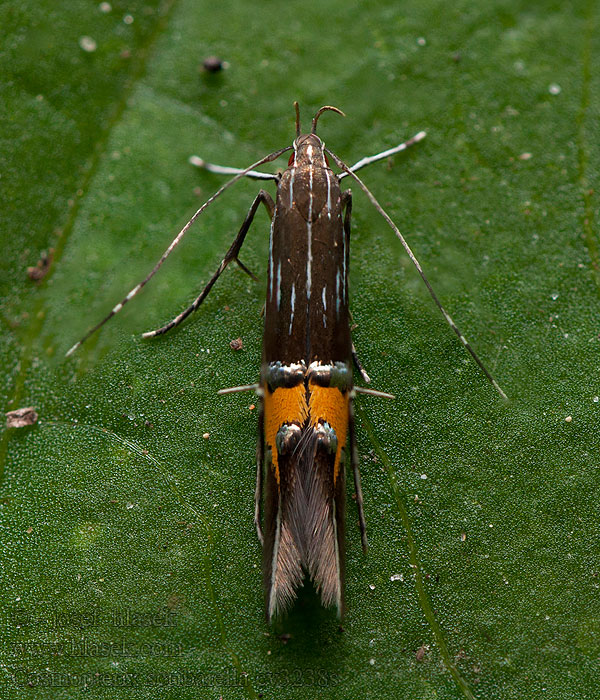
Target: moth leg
(260, 461)
(384, 154)
(246, 270)
(231, 255)
(226, 170)
(357, 486)
(347, 204)
(359, 366)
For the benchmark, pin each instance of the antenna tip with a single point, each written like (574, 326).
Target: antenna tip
(70, 351)
(503, 396)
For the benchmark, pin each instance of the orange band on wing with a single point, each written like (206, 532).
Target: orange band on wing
(282, 406)
(331, 405)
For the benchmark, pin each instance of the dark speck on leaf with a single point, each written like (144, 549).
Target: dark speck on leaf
(213, 64)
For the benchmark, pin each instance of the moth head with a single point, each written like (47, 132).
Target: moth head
(308, 148)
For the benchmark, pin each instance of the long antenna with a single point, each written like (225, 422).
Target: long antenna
(416, 263)
(115, 310)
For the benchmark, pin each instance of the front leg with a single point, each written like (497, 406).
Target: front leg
(385, 154)
(231, 255)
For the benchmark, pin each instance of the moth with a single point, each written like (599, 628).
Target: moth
(306, 387)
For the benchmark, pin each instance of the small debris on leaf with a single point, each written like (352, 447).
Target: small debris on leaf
(42, 266)
(88, 44)
(21, 417)
(236, 344)
(213, 64)
(420, 655)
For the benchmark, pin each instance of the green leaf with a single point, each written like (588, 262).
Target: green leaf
(128, 550)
